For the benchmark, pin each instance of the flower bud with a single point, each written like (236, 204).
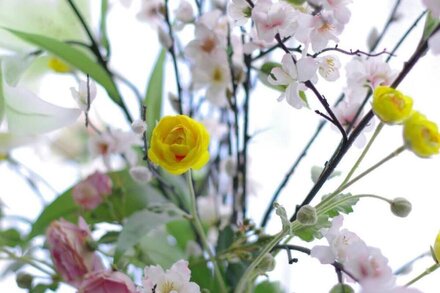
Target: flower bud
(267, 264)
(70, 253)
(390, 105)
(91, 192)
(164, 38)
(401, 207)
(341, 288)
(140, 174)
(307, 215)
(421, 135)
(24, 280)
(107, 281)
(139, 126)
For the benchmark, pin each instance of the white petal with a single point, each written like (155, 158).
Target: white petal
(306, 68)
(9, 141)
(28, 114)
(289, 66)
(278, 77)
(323, 253)
(292, 96)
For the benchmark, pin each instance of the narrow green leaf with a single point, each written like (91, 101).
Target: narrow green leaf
(103, 27)
(137, 226)
(74, 57)
(154, 94)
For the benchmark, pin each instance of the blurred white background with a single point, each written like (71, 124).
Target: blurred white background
(286, 131)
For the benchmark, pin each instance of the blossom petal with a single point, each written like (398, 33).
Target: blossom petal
(28, 114)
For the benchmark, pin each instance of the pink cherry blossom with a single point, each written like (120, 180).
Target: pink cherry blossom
(274, 18)
(70, 254)
(107, 282)
(329, 67)
(91, 192)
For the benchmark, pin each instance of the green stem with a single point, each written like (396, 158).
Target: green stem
(199, 228)
(361, 157)
(425, 273)
(243, 283)
(375, 166)
(28, 260)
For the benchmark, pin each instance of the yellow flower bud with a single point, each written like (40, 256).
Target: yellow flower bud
(58, 65)
(436, 249)
(421, 135)
(390, 105)
(179, 143)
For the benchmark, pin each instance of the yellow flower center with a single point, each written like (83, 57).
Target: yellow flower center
(167, 287)
(217, 75)
(58, 66)
(176, 139)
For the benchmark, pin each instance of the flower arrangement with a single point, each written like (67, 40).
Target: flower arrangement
(162, 198)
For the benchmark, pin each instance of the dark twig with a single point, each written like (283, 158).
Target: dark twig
(318, 130)
(174, 57)
(351, 52)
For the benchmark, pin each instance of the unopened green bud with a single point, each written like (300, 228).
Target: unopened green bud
(401, 207)
(267, 264)
(341, 288)
(307, 215)
(24, 280)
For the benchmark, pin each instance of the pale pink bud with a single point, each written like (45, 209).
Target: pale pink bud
(107, 281)
(70, 254)
(91, 192)
(141, 174)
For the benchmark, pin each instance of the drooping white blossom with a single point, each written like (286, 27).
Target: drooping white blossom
(85, 94)
(151, 11)
(184, 12)
(292, 76)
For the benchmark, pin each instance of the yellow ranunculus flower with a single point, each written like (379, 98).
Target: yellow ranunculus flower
(421, 135)
(390, 105)
(436, 249)
(58, 65)
(179, 143)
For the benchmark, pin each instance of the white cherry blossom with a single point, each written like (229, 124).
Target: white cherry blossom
(329, 67)
(293, 75)
(274, 18)
(239, 11)
(175, 279)
(184, 12)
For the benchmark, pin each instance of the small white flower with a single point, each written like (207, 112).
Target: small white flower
(141, 174)
(293, 75)
(152, 12)
(85, 94)
(185, 12)
(240, 11)
(139, 126)
(175, 279)
(329, 67)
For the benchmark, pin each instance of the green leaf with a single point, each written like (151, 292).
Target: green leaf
(157, 249)
(309, 233)
(154, 94)
(296, 2)
(346, 205)
(225, 239)
(182, 231)
(103, 27)
(268, 287)
(2, 97)
(127, 198)
(137, 226)
(109, 237)
(264, 72)
(10, 237)
(74, 57)
(431, 24)
(201, 274)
